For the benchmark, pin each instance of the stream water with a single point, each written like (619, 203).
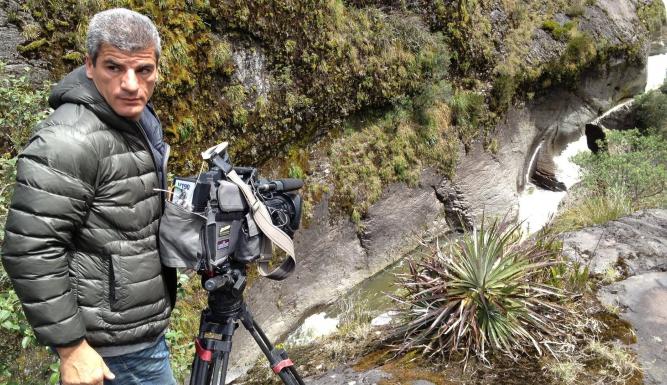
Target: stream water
(536, 207)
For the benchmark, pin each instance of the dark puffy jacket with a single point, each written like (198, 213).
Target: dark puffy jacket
(81, 234)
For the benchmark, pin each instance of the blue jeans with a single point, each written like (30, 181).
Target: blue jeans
(145, 367)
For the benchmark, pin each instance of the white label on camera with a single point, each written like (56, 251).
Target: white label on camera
(183, 192)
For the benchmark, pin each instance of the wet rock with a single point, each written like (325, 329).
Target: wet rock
(457, 209)
(491, 183)
(403, 213)
(634, 245)
(348, 376)
(251, 71)
(643, 300)
(547, 181)
(594, 134)
(487, 182)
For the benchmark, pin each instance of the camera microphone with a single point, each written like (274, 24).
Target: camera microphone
(290, 184)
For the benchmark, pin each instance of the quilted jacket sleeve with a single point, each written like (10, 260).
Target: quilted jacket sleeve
(54, 187)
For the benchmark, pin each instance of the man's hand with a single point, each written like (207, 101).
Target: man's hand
(81, 365)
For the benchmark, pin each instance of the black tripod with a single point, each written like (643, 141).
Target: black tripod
(217, 325)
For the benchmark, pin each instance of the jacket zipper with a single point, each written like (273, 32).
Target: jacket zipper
(147, 143)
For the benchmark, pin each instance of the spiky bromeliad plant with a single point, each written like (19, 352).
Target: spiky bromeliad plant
(483, 292)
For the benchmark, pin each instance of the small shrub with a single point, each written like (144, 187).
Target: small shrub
(609, 363)
(633, 165)
(550, 25)
(22, 105)
(184, 324)
(485, 292)
(504, 89)
(652, 15)
(295, 171)
(651, 112)
(576, 9)
(468, 109)
(594, 209)
(629, 174)
(567, 372)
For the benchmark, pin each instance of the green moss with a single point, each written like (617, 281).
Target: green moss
(74, 56)
(550, 25)
(391, 148)
(33, 46)
(652, 15)
(220, 56)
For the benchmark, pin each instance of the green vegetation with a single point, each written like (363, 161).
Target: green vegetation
(615, 365)
(628, 175)
(486, 292)
(375, 87)
(22, 105)
(21, 360)
(184, 324)
(652, 15)
(391, 148)
(560, 32)
(327, 61)
(651, 112)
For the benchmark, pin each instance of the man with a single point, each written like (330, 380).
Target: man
(81, 235)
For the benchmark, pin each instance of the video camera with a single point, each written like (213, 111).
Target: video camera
(233, 215)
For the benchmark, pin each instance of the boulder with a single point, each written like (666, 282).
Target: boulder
(635, 244)
(643, 302)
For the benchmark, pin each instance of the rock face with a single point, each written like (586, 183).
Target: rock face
(346, 375)
(10, 38)
(636, 246)
(643, 300)
(492, 183)
(532, 134)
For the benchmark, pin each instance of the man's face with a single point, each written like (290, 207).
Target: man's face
(125, 79)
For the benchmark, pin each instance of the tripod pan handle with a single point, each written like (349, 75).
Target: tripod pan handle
(217, 282)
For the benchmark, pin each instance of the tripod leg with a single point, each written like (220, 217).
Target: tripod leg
(212, 355)
(278, 359)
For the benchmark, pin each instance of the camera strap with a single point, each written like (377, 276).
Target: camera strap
(275, 235)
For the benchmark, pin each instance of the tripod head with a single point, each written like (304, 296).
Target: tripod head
(225, 289)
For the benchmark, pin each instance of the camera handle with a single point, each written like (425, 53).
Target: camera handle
(212, 354)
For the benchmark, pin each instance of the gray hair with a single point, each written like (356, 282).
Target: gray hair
(123, 29)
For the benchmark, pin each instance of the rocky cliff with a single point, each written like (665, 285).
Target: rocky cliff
(309, 81)
(336, 255)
